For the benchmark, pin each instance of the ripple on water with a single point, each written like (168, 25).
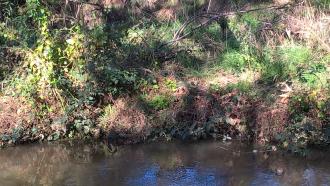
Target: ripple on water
(173, 164)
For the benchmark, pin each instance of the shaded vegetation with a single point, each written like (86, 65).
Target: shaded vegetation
(89, 68)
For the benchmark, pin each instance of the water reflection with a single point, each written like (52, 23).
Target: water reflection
(205, 163)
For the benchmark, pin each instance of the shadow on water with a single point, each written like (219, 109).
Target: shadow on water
(204, 163)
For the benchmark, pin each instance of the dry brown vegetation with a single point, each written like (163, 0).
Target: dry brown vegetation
(14, 113)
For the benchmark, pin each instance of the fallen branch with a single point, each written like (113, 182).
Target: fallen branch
(211, 17)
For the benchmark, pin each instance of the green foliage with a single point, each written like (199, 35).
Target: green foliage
(213, 88)
(83, 125)
(242, 86)
(237, 61)
(240, 54)
(275, 72)
(314, 75)
(294, 54)
(298, 137)
(321, 3)
(159, 102)
(287, 62)
(63, 64)
(188, 61)
(109, 112)
(305, 130)
(191, 6)
(212, 33)
(304, 103)
(171, 84)
(118, 81)
(14, 137)
(251, 20)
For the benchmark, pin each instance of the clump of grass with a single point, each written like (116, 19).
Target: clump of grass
(160, 102)
(294, 54)
(171, 84)
(157, 102)
(251, 20)
(189, 61)
(241, 86)
(214, 88)
(108, 114)
(321, 4)
(236, 61)
(312, 24)
(285, 62)
(212, 33)
(273, 72)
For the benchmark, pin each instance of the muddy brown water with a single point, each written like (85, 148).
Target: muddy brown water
(175, 163)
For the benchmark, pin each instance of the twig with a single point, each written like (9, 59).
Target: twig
(64, 12)
(245, 152)
(208, 7)
(78, 11)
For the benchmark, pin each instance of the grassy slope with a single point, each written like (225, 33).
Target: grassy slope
(259, 77)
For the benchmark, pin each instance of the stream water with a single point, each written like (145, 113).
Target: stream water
(175, 163)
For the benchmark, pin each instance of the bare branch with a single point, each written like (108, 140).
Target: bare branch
(211, 16)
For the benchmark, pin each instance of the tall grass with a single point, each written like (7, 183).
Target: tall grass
(312, 24)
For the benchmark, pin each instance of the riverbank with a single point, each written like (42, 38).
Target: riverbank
(190, 114)
(137, 71)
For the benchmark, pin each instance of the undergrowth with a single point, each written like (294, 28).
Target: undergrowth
(72, 67)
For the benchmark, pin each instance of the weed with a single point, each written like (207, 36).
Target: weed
(188, 61)
(171, 84)
(286, 63)
(237, 61)
(213, 88)
(109, 113)
(159, 102)
(241, 86)
(314, 76)
(251, 20)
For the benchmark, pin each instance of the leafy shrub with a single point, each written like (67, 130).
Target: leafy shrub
(308, 115)
(117, 81)
(314, 75)
(297, 137)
